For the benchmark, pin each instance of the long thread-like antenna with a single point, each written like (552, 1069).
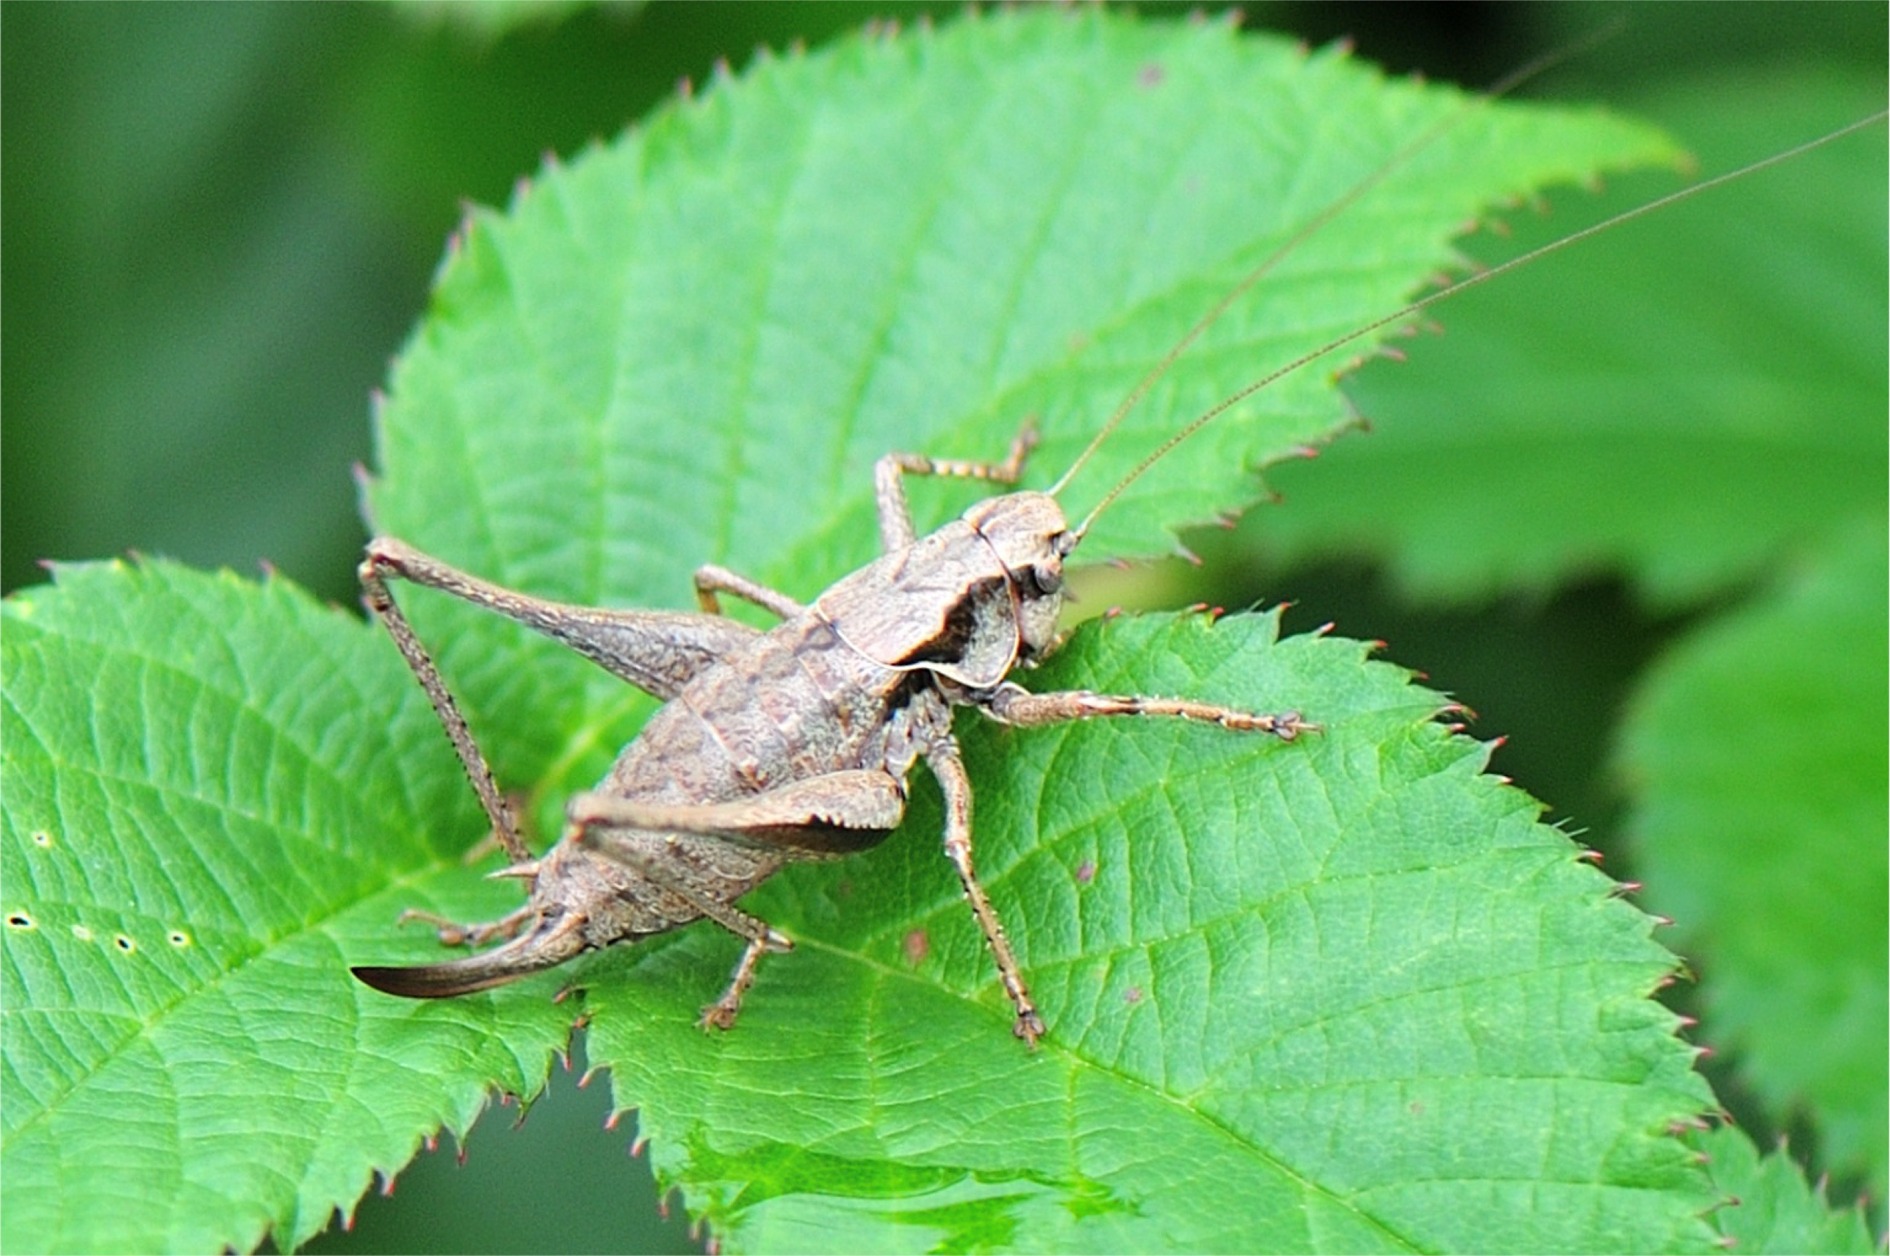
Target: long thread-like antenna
(1317, 223)
(1443, 294)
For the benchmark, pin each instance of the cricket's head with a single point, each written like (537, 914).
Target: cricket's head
(1031, 538)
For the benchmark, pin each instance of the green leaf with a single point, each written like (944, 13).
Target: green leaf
(689, 347)
(212, 800)
(1771, 1208)
(1757, 758)
(1684, 399)
(1344, 994)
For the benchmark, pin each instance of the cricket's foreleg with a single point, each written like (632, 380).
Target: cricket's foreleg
(657, 651)
(895, 518)
(1012, 704)
(955, 784)
(711, 580)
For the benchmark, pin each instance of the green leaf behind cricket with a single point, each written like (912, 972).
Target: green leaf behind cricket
(1756, 758)
(1691, 401)
(1768, 1206)
(1684, 400)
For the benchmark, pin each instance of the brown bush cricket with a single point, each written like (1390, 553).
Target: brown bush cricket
(795, 743)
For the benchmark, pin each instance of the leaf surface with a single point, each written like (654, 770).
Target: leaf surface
(211, 803)
(1773, 1208)
(1684, 399)
(1344, 994)
(1757, 759)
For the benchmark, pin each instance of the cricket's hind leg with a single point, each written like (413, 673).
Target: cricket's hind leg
(760, 936)
(657, 651)
(721, 1013)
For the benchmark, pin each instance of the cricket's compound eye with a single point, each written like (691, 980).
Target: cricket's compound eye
(1043, 579)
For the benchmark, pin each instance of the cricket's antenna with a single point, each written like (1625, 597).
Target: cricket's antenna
(1443, 294)
(1317, 223)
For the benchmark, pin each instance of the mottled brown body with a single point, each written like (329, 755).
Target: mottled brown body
(772, 747)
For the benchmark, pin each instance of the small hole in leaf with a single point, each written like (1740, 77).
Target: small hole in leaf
(179, 938)
(20, 920)
(82, 933)
(124, 944)
(42, 838)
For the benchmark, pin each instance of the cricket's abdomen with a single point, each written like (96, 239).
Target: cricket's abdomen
(793, 705)
(796, 704)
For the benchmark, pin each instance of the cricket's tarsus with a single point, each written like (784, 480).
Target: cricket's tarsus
(795, 743)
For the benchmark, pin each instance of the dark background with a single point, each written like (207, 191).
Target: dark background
(221, 221)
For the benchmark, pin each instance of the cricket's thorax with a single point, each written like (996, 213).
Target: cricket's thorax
(967, 602)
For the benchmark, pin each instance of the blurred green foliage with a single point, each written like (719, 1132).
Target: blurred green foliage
(222, 221)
